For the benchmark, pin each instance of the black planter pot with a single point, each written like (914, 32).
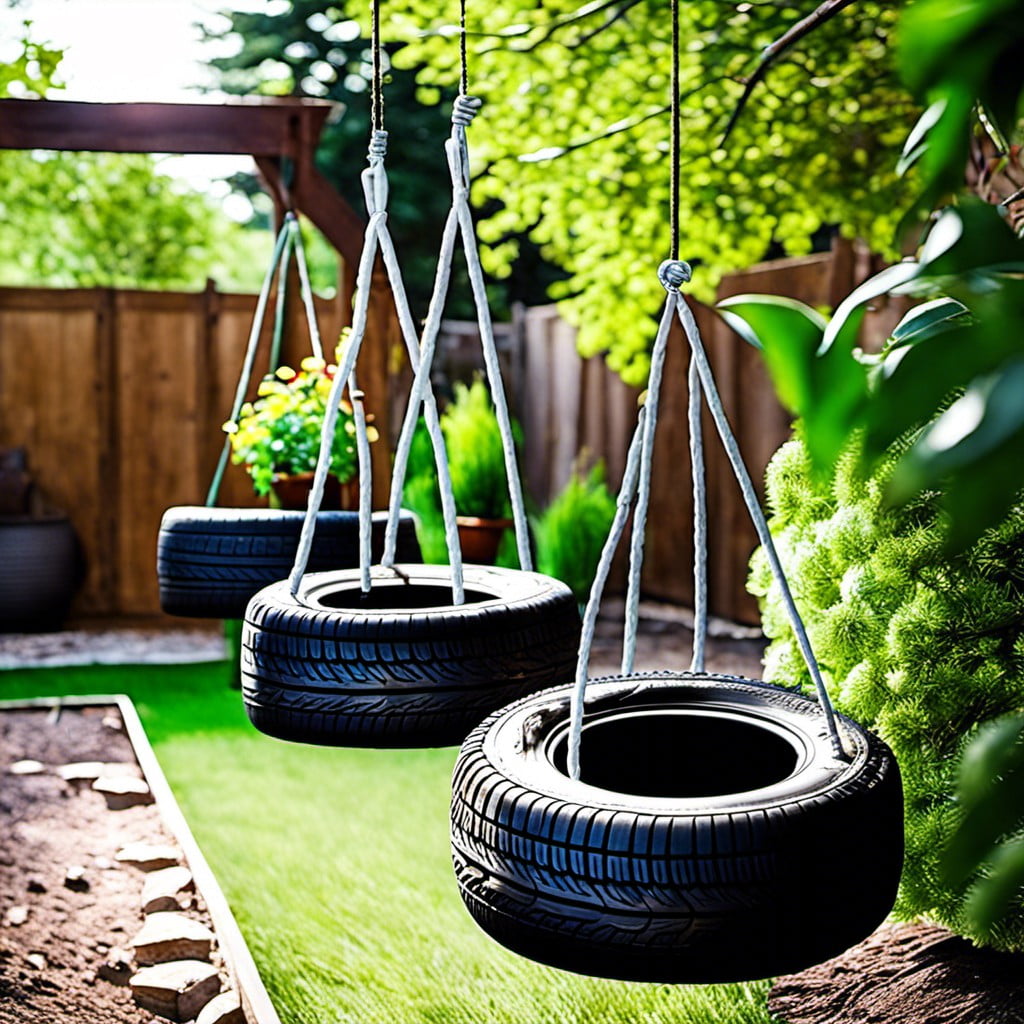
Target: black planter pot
(40, 569)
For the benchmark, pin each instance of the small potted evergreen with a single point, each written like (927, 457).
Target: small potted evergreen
(477, 463)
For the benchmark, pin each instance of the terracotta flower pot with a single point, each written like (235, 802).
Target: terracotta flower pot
(292, 492)
(479, 538)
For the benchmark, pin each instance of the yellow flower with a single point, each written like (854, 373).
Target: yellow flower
(285, 373)
(312, 364)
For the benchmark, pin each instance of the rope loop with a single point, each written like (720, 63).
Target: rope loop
(465, 109)
(674, 273)
(378, 145)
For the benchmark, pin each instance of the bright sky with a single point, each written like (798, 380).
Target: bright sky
(124, 50)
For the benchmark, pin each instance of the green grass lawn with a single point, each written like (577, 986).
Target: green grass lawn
(336, 865)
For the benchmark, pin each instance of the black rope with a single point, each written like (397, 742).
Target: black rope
(464, 73)
(674, 185)
(377, 93)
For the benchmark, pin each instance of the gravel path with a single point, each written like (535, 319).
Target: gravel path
(664, 641)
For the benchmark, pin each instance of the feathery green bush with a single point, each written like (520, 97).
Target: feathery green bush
(917, 645)
(572, 530)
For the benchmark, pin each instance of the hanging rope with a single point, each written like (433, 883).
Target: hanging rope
(675, 142)
(377, 83)
(376, 236)
(460, 222)
(276, 263)
(636, 481)
(672, 275)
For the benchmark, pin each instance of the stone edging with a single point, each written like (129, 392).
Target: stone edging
(231, 943)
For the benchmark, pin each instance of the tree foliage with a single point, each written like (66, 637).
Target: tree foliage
(114, 220)
(317, 48)
(907, 547)
(572, 143)
(314, 48)
(84, 219)
(34, 67)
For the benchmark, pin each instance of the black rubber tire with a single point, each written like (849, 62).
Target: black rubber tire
(675, 886)
(414, 671)
(40, 570)
(210, 561)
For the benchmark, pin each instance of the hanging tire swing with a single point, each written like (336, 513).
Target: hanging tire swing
(392, 654)
(676, 827)
(716, 829)
(210, 560)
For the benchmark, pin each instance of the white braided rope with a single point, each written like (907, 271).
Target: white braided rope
(375, 187)
(700, 521)
(636, 479)
(707, 380)
(306, 291)
(604, 566)
(636, 552)
(459, 223)
(364, 277)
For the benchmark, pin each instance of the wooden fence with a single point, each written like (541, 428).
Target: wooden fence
(119, 397)
(572, 404)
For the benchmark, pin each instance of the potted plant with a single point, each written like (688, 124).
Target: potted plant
(277, 437)
(477, 464)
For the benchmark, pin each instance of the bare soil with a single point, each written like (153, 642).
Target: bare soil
(906, 974)
(57, 936)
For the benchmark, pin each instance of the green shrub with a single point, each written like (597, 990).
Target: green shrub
(918, 645)
(476, 461)
(475, 454)
(572, 530)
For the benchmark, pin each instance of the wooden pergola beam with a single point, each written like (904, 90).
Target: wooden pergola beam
(261, 128)
(269, 130)
(281, 135)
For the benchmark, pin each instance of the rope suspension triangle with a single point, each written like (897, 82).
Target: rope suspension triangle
(676, 826)
(211, 560)
(395, 654)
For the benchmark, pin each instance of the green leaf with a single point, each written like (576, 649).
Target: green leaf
(880, 284)
(997, 748)
(971, 237)
(994, 894)
(998, 814)
(988, 415)
(916, 143)
(913, 381)
(926, 320)
(823, 385)
(789, 333)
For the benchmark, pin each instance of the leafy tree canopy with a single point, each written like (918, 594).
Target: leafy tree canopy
(572, 145)
(32, 68)
(313, 48)
(111, 219)
(84, 219)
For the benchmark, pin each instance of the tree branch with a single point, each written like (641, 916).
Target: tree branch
(818, 17)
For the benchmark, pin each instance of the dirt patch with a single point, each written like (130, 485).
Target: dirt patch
(906, 974)
(68, 908)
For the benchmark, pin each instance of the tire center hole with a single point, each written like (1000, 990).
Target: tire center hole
(396, 595)
(679, 754)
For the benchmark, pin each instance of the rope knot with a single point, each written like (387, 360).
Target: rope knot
(465, 109)
(673, 273)
(378, 145)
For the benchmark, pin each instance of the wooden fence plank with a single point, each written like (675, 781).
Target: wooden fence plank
(158, 430)
(119, 398)
(52, 403)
